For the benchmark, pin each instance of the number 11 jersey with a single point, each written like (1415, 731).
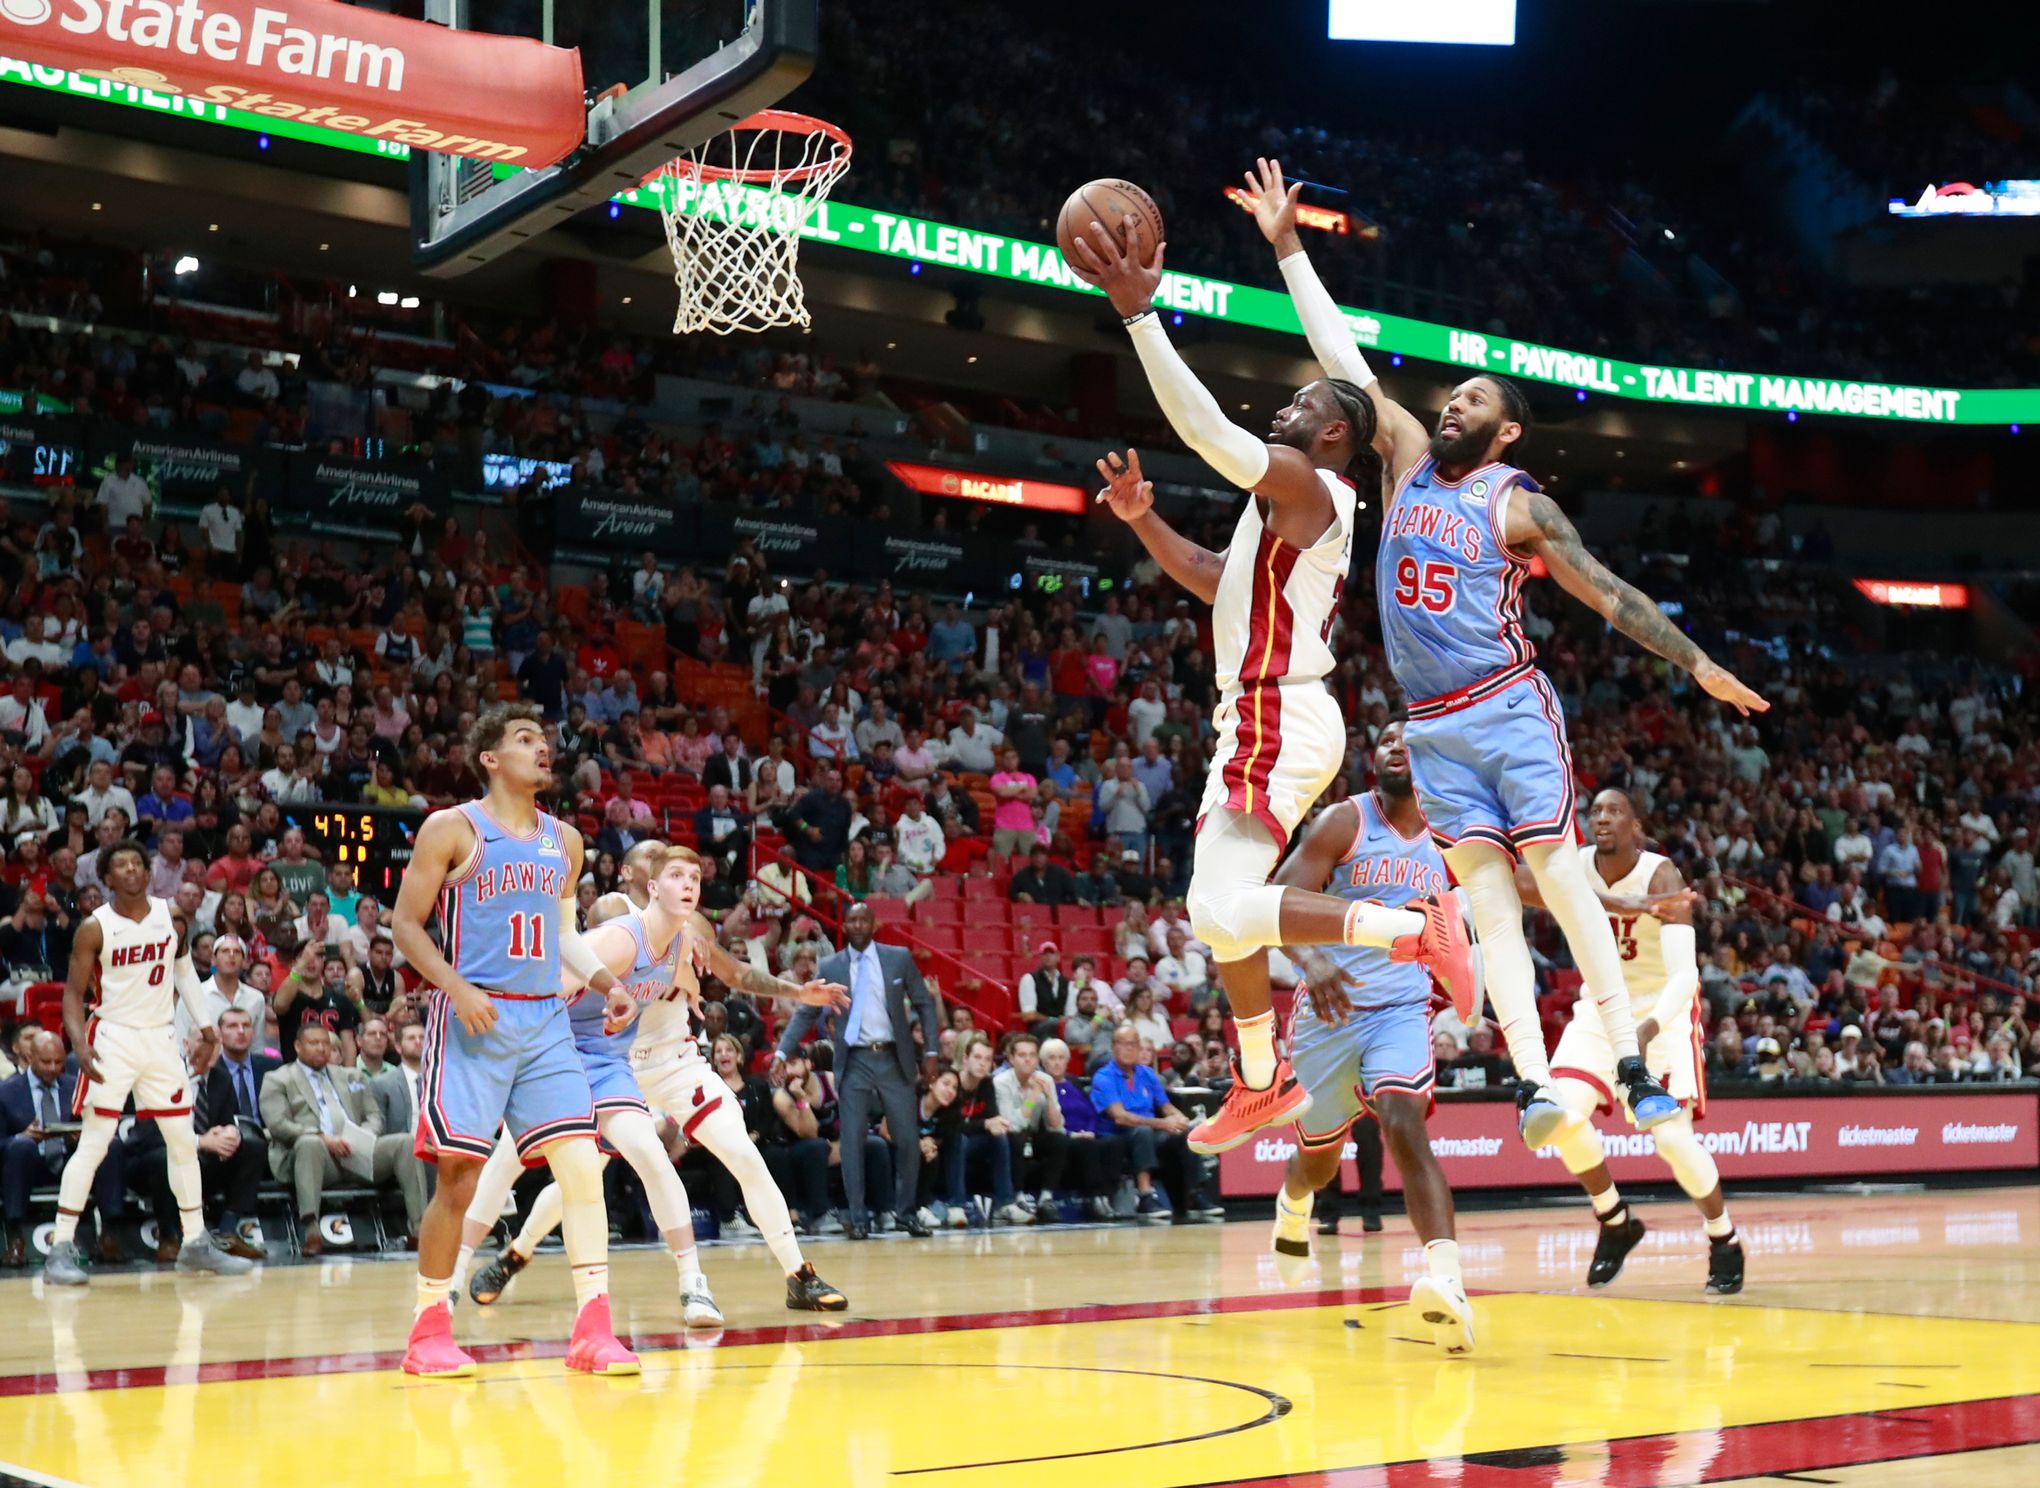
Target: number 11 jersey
(500, 914)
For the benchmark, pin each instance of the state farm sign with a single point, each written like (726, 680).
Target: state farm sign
(1813, 1137)
(380, 76)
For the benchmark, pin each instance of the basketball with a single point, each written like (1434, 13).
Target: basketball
(1110, 202)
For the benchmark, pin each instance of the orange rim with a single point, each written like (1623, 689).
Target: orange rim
(786, 122)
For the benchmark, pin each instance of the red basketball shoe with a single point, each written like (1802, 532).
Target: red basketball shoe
(1247, 1111)
(594, 1349)
(1443, 946)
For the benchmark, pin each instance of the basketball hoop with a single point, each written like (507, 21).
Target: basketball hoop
(735, 208)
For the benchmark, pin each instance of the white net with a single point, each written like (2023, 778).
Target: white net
(735, 208)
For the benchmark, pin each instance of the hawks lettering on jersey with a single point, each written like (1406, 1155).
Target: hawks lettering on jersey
(136, 985)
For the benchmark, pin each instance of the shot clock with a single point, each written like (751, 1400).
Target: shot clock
(376, 841)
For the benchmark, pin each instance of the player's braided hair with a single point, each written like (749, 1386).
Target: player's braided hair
(1358, 409)
(1516, 409)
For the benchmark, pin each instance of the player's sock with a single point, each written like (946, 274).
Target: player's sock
(544, 1218)
(1608, 1205)
(688, 1260)
(1257, 1049)
(1442, 1258)
(431, 1292)
(1720, 1227)
(460, 1268)
(67, 1228)
(1378, 925)
(590, 1282)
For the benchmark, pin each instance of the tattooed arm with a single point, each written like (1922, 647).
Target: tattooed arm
(1534, 524)
(742, 976)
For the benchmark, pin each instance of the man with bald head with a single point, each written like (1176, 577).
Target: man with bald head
(35, 1107)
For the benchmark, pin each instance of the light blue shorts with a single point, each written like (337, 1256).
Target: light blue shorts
(1345, 1067)
(523, 1073)
(1498, 770)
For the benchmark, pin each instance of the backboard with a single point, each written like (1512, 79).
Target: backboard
(661, 75)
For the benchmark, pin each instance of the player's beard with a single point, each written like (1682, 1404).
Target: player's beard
(1464, 449)
(1398, 787)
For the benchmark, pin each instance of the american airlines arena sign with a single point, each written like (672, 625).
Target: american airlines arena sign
(117, 74)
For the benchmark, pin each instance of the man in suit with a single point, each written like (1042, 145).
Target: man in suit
(875, 1060)
(307, 1106)
(233, 1157)
(722, 829)
(396, 1095)
(730, 768)
(30, 1102)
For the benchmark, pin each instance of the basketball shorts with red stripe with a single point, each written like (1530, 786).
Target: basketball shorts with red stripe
(523, 1074)
(1279, 746)
(1499, 770)
(1585, 1055)
(694, 1095)
(1344, 1066)
(146, 1063)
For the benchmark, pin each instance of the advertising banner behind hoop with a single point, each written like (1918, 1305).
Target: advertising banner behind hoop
(319, 62)
(1890, 1136)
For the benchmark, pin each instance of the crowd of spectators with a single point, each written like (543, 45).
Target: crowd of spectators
(1457, 225)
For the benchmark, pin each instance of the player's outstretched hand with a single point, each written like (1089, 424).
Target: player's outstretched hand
(1127, 282)
(1126, 492)
(825, 994)
(1721, 683)
(472, 1006)
(1272, 203)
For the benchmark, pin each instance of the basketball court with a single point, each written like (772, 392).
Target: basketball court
(1883, 1338)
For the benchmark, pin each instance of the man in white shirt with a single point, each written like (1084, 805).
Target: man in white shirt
(1183, 971)
(100, 792)
(1146, 712)
(21, 713)
(973, 746)
(1853, 848)
(244, 714)
(32, 645)
(124, 494)
(766, 606)
(283, 784)
(221, 522)
(831, 738)
(919, 836)
(224, 989)
(257, 383)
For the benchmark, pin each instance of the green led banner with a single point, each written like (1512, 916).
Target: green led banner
(917, 240)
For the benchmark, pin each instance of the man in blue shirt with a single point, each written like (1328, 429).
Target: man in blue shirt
(951, 640)
(1132, 1096)
(162, 806)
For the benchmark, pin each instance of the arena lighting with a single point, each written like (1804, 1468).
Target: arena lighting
(1906, 594)
(185, 265)
(408, 302)
(919, 241)
(386, 297)
(969, 485)
(1960, 199)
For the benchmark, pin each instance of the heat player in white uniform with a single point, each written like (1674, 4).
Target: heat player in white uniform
(667, 1069)
(138, 951)
(1651, 915)
(1275, 595)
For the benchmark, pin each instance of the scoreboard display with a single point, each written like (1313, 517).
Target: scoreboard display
(376, 841)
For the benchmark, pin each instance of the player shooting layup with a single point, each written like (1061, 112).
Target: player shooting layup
(499, 1050)
(1486, 734)
(1375, 1056)
(1274, 594)
(139, 950)
(1652, 919)
(659, 945)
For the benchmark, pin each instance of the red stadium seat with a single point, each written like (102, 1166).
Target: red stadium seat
(941, 937)
(939, 912)
(1095, 940)
(947, 887)
(986, 939)
(889, 911)
(1078, 916)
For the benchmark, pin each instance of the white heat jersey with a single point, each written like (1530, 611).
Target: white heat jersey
(1637, 937)
(136, 985)
(1272, 618)
(666, 1031)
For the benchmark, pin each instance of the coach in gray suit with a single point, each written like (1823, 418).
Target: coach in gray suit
(875, 1059)
(395, 1092)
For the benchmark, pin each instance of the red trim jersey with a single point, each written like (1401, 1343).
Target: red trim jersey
(1271, 620)
(136, 957)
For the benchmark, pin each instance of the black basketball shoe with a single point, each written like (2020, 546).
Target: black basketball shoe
(1612, 1249)
(492, 1280)
(1724, 1265)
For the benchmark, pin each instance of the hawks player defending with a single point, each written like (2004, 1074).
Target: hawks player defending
(1376, 1056)
(1486, 734)
(1652, 920)
(1274, 595)
(139, 949)
(657, 1060)
(499, 1050)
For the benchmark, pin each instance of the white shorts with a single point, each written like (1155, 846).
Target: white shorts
(1674, 1057)
(147, 1063)
(694, 1095)
(1278, 748)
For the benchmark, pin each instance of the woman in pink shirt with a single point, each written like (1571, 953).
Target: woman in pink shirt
(1103, 669)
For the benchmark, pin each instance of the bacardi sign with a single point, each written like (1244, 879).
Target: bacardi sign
(1006, 490)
